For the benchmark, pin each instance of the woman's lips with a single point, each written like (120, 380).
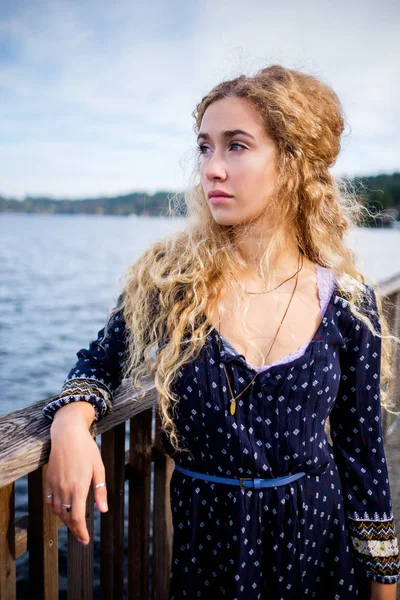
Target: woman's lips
(220, 199)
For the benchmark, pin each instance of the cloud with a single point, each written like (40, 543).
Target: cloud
(97, 97)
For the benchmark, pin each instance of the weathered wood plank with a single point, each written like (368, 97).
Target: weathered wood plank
(8, 588)
(25, 433)
(391, 309)
(162, 519)
(112, 522)
(21, 533)
(395, 327)
(42, 539)
(139, 505)
(80, 559)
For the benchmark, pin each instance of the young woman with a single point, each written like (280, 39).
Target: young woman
(265, 333)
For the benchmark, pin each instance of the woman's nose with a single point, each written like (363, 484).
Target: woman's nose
(215, 167)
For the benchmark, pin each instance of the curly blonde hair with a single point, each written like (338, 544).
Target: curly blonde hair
(177, 281)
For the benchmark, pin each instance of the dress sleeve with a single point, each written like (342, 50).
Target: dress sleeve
(356, 431)
(97, 373)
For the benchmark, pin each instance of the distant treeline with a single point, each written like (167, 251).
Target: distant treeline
(139, 203)
(379, 193)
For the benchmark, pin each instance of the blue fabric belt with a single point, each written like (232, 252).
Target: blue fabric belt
(247, 482)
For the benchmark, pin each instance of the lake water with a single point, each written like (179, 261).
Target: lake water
(60, 275)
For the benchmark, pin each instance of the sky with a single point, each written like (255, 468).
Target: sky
(96, 98)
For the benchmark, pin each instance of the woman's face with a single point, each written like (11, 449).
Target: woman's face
(243, 165)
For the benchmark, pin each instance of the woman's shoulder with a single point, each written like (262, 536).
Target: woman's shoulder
(358, 298)
(360, 293)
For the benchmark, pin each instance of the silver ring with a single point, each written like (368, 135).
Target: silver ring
(100, 484)
(66, 506)
(50, 496)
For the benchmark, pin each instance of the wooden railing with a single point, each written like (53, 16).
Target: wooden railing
(391, 309)
(24, 450)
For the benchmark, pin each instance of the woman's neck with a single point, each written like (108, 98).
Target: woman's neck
(286, 264)
(252, 243)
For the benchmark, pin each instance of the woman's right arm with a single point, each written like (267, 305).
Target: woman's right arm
(86, 396)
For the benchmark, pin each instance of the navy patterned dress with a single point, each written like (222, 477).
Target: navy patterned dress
(322, 536)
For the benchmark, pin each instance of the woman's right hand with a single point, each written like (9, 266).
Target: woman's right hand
(74, 464)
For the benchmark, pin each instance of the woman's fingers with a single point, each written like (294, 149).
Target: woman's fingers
(73, 518)
(77, 520)
(48, 492)
(69, 476)
(57, 501)
(100, 492)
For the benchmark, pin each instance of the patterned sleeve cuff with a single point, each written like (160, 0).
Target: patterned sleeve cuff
(376, 547)
(82, 389)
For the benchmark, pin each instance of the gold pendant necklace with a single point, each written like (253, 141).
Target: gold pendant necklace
(232, 408)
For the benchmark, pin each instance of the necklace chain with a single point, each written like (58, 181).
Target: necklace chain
(234, 398)
(267, 291)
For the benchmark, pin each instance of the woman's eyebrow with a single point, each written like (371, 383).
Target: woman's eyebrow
(225, 134)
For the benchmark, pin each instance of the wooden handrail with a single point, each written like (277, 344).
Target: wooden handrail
(24, 450)
(25, 433)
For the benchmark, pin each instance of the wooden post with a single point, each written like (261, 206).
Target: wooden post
(80, 559)
(8, 588)
(112, 522)
(162, 518)
(42, 539)
(391, 309)
(139, 505)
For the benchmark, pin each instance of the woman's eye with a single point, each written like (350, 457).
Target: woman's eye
(237, 144)
(202, 149)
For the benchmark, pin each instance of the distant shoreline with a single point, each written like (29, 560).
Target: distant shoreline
(379, 193)
(136, 203)
(82, 214)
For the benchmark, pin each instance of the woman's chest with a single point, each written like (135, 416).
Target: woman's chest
(272, 327)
